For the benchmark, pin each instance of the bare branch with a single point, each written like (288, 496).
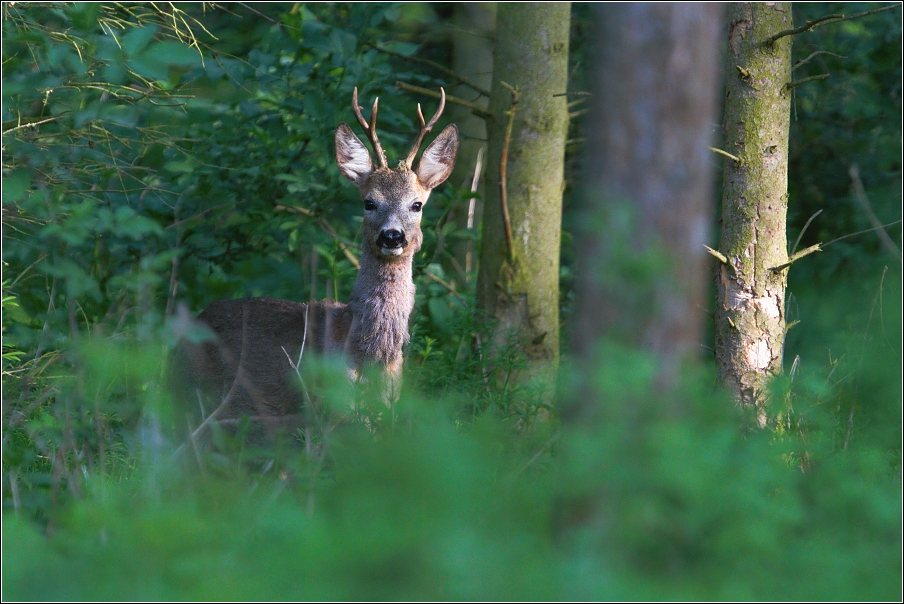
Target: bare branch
(810, 25)
(797, 83)
(474, 107)
(725, 153)
(803, 62)
(442, 69)
(860, 194)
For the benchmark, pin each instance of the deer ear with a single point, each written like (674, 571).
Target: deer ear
(352, 156)
(439, 158)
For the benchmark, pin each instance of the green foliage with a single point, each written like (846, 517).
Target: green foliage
(851, 118)
(158, 154)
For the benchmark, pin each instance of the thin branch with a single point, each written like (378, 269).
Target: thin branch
(503, 167)
(797, 83)
(821, 246)
(259, 14)
(881, 226)
(474, 107)
(719, 255)
(448, 286)
(803, 62)
(795, 257)
(440, 68)
(549, 443)
(471, 205)
(860, 194)
(327, 228)
(726, 154)
(811, 25)
(804, 230)
(198, 215)
(30, 125)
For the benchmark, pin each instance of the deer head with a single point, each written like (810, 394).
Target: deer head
(394, 198)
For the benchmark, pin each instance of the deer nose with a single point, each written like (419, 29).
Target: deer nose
(391, 238)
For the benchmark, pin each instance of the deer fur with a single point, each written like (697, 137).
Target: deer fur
(247, 367)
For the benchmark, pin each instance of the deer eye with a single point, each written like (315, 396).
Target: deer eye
(369, 205)
(416, 206)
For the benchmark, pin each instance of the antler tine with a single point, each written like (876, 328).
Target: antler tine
(439, 111)
(370, 129)
(424, 128)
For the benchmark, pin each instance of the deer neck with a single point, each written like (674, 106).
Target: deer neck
(381, 302)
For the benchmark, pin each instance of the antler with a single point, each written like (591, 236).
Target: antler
(370, 129)
(425, 128)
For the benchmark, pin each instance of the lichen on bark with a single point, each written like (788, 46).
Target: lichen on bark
(750, 310)
(520, 288)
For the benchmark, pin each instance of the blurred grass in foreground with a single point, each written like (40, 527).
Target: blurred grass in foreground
(636, 504)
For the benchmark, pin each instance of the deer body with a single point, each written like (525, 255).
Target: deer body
(248, 368)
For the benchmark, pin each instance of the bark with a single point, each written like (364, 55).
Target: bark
(750, 298)
(518, 280)
(647, 204)
(472, 57)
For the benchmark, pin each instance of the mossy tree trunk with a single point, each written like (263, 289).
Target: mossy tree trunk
(750, 293)
(648, 199)
(518, 279)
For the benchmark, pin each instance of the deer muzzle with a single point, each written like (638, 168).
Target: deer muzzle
(391, 242)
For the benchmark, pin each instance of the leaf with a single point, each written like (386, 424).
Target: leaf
(137, 39)
(15, 185)
(83, 14)
(440, 313)
(170, 52)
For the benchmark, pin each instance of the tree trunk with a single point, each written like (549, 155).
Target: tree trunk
(472, 58)
(649, 183)
(750, 296)
(518, 280)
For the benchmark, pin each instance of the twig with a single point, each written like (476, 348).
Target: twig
(881, 226)
(30, 125)
(536, 456)
(198, 215)
(325, 226)
(795, 257)
(860, 194)
(448, 286)
(577, 113)
(803, 62)
(483, 371)
(797, 83)
(294, 210)
(474, 107)
(574, 94)
(471, 204)
(804, 230)
(503, 168)
(259, 14)
(720, 256)
(726, 154)
(810, 25)
(440, 68)
(297, 365)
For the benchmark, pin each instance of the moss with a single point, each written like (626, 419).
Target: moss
(531, 56)
(754, 203)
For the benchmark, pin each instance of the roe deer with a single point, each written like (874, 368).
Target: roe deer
(247, 368)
